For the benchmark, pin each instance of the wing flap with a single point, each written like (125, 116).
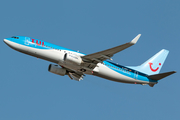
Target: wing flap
(76, 76)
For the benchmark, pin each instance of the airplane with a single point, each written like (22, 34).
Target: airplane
(76, 64)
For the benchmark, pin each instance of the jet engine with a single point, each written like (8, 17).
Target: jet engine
(72, 59)
(57, 70)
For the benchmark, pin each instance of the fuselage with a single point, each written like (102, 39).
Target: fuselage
(55, 54)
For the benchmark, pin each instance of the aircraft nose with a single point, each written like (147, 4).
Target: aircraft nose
(5, 41)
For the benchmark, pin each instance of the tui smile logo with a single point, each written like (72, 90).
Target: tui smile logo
(154, 70)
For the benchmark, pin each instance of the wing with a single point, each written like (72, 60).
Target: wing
(92, 59)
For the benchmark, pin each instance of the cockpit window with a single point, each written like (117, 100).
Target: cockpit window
(15, 37)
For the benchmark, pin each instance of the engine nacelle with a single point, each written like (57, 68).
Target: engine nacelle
(57, 70)
(72, 59)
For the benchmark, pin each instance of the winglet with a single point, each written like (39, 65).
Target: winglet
(134, 41)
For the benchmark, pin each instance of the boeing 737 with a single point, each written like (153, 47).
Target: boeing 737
(76, 64)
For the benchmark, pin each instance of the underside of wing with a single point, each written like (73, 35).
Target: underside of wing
(92, 59)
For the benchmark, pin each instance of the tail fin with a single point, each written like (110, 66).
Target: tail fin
(154, 64)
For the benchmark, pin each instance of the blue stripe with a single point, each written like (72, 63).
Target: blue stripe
(127, 71)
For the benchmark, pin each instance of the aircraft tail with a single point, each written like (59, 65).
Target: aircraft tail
(154, 64)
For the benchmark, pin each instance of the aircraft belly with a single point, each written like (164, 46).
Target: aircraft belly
(50, 55)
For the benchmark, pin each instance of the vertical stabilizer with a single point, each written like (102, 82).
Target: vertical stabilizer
(154, 64)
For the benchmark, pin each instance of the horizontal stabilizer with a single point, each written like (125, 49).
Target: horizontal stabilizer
(161, 75)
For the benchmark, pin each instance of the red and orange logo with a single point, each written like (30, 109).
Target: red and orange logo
(154, 70)
(38, 43)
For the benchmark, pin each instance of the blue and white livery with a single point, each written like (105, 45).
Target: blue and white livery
(76, 64)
